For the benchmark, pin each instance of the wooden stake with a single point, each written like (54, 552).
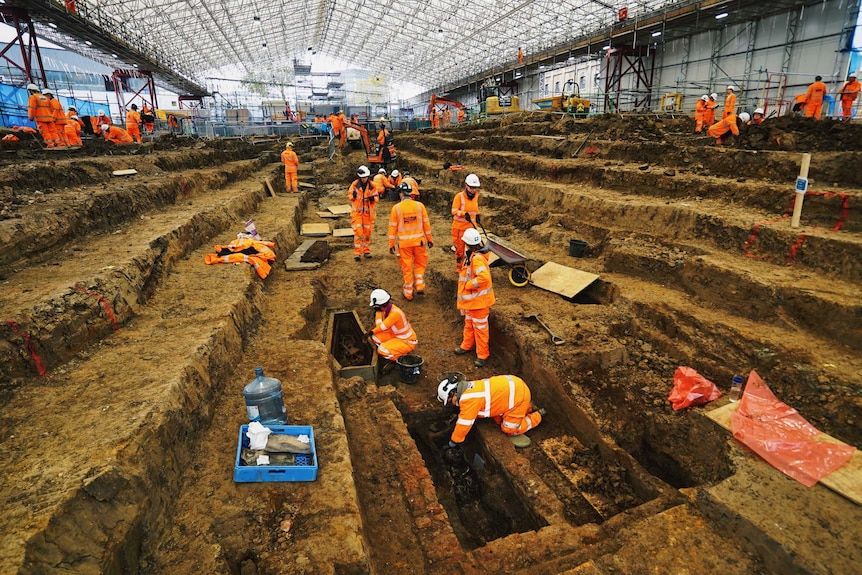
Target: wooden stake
(269, 187)
(801, 188)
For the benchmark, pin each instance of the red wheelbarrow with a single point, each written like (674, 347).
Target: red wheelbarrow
(519, 275)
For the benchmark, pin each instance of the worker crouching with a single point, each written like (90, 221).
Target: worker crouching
(504, 398)
(727, 127)
(392, 333)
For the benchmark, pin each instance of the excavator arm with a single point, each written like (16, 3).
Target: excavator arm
(443, 101)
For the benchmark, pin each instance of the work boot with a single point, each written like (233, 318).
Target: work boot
(387, 367)
(542, 411)
(368, 256)
(356, 258)
(461, 351)
(480, 362)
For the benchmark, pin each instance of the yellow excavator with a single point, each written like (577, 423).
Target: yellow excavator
(572, 102)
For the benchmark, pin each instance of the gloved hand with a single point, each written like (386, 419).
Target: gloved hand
(392, 250)
(452, 444)
(430, 244)
(478, 218)
(354, 194)
(369, 333)
(468, 218)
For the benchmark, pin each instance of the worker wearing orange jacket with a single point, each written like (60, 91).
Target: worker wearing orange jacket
(39, 111)
(465, 214)
(814, 98)
(475, 298)
(435, 118)
(381, 182)
(148, 118)
(291, 167)
(410, 226)
(729, 102)
(362, 196)
(59, 117)
(700, 112)
(392, 333)
(395, 179)
(100, 121)
(709, 112)
(343, 120)
(849, 92)
(414, 184)
(116, 135)
(133, 123)
(723, 129)
(73, 127)
(338, 128)
(504, 398)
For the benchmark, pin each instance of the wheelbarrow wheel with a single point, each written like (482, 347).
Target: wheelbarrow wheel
(519, 276)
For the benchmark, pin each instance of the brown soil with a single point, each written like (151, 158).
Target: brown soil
(124, 356)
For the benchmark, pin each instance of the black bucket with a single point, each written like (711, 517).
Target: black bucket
(409, 367)
(577, 248)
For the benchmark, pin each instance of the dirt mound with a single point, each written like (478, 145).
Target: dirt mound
(799, 134)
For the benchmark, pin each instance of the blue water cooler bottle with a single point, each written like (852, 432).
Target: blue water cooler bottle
(264, 400)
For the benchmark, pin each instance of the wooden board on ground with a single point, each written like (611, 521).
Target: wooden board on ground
(129, 172)
(315, 230)
(566, 281)
(295, 263)
(269, 187)
(306, 185)
(304, 167)
(340, 209)
(846, 480)
(328, 215)
(342, 232)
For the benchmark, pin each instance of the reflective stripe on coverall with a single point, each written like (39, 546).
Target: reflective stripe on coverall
(133, 125)
(39, 110)
(720, 128)
(462, 205)
(393, 334)
(709, 112)
(257, 253)
(362, 213)
(505, 398)
(408, 222)
(291, 165)
(849, 92)
(699, 114)
(729, 106)
(382, 184)
(73, 130)
(118, 135)
(475, 298)
(59, 121)
(814, 99)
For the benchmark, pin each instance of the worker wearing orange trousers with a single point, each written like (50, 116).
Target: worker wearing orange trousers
(59, 117)
(709, 112)
(39, 111)
(116, 135)
(291, 166)
(814, 98)
(465, 214)
(338, 128)
(700, 112)
(382, 183)
(849, 92)
(362, 196)
(723, 129)
(410, 226)
(475, 298)
(73, 127)
(504, 398)
(133, 123)
(392, 333)
(729, 102)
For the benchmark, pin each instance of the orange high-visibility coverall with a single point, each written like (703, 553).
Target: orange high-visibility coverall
(381, 182)
(720, 130)
(73, 129)
(291, 166)
(709, 112)
(343, 120)
(59, 121)
(395, 182)
(338, 129)
(363, 204)
(475, 298)
(814, 99)
(414, 185)
(505, 398)
(133, 125)
(849, 92)
(460, 115)
(409, 224)
(699, 112)
(39, 111)
(147, 111)
(461, 207)
(118, 135)
(392, 333)
(729, 106)
(435, 119)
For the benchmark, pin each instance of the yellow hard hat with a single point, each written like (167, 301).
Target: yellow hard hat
(288, 145)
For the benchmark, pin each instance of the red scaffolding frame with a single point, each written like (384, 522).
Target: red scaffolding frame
(621, 61)
(20, 20)
(120, 79)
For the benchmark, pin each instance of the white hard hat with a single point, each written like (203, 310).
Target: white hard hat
(704, 97)
(446, 389)
(472, 180)
(471, 237)
(394, 173)
(744, 117)
(758, 111)
(714, 96)
(381, 171)
(379, 297)
(32, 87)
(732, 88)
(47, 91)
(363, 172)
(101, 112)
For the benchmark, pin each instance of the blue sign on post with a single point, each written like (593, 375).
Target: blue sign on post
(801, 185)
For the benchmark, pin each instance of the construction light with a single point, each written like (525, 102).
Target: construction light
(720, 16)
(656, 33)
(88, 43)
(52, 25)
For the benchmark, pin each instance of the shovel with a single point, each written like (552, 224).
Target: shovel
(555, 339)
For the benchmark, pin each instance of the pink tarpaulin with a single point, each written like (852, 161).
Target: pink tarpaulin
(691, 388)
(781, 436)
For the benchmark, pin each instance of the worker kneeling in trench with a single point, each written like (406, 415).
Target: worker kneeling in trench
(392, 333)
(505, 398)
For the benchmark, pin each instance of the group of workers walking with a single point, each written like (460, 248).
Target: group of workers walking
(810, 104)
(62, 128)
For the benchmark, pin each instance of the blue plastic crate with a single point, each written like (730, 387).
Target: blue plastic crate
(275, 473)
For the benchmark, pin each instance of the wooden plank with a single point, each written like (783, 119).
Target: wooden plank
(328, 215)
(129, 172)
(846, 480)
(295, 263)
(315, 230)
(306, 185)
(562, 280)
(269, 187)
(342, 232)
(341, 209)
